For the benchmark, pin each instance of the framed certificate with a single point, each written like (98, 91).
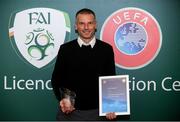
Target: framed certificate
(114, 95)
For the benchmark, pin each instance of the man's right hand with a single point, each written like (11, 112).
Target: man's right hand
(66, 106)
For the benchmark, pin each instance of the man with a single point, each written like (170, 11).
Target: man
(79, 64)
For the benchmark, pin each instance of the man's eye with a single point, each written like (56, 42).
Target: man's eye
(81, 23)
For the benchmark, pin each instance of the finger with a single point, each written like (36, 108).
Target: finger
(70, 109)
(108, 115)
(62, 103)
(63, 110)
(67, 112)
(112, 115)
(66, 108)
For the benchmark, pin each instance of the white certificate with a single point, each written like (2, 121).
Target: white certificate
(114, 95)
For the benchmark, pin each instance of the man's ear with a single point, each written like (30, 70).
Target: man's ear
(75, 26)
(96, 27)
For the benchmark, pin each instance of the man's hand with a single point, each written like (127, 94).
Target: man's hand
(111, 116)
(66, 106)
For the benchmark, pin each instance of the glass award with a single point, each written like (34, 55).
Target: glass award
(66, 93)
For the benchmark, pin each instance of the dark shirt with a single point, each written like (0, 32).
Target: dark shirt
(78, 69)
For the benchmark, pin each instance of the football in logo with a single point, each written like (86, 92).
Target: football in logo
(135, 36)
(36, 34)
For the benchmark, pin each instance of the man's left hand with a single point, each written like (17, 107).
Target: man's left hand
(111, 115)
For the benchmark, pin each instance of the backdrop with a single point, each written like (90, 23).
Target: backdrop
(26, 63)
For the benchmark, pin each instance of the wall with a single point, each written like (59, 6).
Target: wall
(27, 102)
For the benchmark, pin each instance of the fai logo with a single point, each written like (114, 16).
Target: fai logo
(36, 34)
(135, 36)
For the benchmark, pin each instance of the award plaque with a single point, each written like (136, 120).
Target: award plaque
(114, 95)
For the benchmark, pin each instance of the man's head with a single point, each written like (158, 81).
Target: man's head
(85, 24)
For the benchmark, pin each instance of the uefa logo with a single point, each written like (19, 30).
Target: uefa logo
(135, 36)
(37, 33)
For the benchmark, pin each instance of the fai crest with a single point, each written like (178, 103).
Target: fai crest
(36, 34)
(135, 36)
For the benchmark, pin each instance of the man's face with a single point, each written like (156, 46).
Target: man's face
(86, 26)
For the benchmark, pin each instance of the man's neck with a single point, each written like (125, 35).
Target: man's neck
(86, 40)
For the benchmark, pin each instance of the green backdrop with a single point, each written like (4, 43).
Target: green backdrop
(42, 105)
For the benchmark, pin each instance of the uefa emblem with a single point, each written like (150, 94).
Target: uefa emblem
(135, 36)
(36, 34)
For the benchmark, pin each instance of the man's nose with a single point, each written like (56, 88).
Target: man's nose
(86, 26)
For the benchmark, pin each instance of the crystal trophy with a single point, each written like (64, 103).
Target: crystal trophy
(66, 93)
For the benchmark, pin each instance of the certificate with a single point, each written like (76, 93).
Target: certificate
(114, 95)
